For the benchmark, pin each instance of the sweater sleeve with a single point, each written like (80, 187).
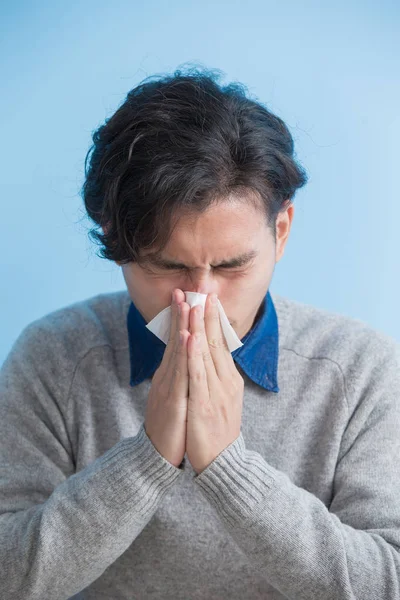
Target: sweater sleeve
(60, 530)
(303, 548)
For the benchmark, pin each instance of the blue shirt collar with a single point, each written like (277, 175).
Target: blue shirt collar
(258, 357)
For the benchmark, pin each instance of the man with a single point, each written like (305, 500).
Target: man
(135, 469)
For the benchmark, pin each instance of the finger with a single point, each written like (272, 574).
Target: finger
(174, 333)
(197, 328)
(217, 343)
(198, 379)
(177, 297)
(179, 359)
(182, 323)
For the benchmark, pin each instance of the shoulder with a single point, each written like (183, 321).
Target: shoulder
(58, 340)
(313, 332)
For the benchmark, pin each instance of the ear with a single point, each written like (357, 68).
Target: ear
(283, 225)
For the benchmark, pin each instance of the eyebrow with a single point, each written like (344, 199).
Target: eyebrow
(237, 261)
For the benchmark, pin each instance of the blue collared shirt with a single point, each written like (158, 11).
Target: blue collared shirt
(258, 357)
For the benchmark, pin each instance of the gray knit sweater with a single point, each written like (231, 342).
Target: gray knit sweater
(305, 504)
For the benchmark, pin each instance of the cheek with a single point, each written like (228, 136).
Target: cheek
(148, 295)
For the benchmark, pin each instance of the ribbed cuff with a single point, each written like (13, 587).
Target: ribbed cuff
(138, 471)
(237, 481)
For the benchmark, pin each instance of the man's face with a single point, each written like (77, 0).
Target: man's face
(199, 244)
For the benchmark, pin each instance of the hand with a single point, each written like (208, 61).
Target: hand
(215, 390)
(166, 409)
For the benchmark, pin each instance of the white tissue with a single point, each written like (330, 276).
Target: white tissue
(161, 324)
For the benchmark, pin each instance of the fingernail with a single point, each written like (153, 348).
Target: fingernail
(214, 298)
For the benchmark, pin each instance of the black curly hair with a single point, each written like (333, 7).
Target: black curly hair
(177, 144)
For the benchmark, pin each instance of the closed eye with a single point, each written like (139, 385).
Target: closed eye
(234, 263)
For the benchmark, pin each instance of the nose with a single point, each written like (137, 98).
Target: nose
(201, 283)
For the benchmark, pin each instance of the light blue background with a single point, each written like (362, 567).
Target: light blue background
(330, 70)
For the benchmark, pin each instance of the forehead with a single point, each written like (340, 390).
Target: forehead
(223, 232)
